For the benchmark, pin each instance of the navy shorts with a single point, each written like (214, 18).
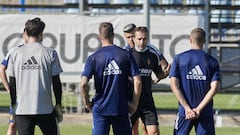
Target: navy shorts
(203, 126)
(148, 115)
(120, 125)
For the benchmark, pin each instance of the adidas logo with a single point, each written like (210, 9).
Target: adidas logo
(196, 74)
(112, 69)
(145, 72)
(31, 64)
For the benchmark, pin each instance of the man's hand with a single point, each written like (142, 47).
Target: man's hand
(166, 71)
(58, 112)
(191, 114)
(88, 106)
(197, 112)
(132, 108)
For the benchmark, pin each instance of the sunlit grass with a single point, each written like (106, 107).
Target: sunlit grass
(221, 101)
(87, 129)
(162, 101)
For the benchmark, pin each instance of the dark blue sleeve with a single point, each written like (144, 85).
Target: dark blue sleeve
(88, 68)
(216, 72)
(134, 68)
(156, 51)
(5, 60)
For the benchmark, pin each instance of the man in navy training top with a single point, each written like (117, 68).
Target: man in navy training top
(110, 66)
(148, 62)
(195, 79)
(129, 31)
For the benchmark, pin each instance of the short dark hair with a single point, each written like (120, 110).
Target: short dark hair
(106, 30)
(198, 34)
(141, 29)
(129, 28)
(34, 27)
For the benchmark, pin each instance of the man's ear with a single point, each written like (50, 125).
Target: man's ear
(40, 37)
(190, 40)
(99, 37)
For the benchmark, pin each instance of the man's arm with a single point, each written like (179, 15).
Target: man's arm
(165, 70)
(85, 93)
(162, 63)
(165, 66)
(3, 77)
(190, 114)
(136, 94)
(57, 89)
(208, 97)
(12, 88)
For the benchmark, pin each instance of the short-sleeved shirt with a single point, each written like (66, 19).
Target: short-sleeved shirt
(110, 66)
(33, 66)
(6, 58)
(147, 62)
(195, 70)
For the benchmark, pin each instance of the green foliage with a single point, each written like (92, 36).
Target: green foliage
(68, 99)
(165, 101)
(4, 99)
(227, 102)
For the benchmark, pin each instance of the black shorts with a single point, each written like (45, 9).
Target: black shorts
(46, 122)
(147, 114)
